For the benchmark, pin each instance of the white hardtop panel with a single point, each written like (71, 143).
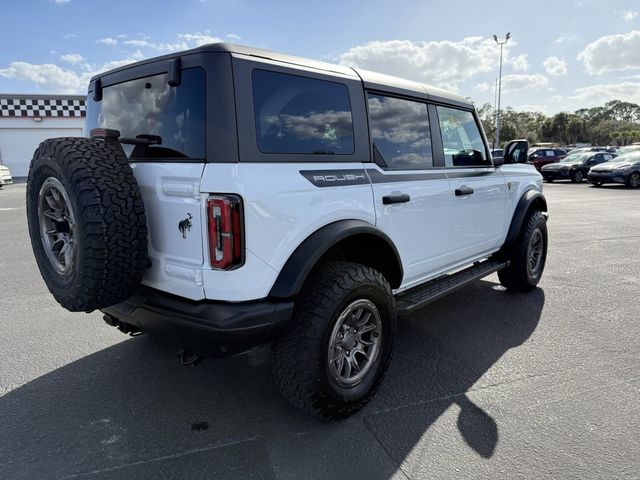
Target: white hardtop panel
(390, 83)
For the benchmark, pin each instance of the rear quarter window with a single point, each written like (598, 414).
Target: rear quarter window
(301, 115)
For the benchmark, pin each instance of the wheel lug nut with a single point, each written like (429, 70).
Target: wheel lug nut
(348, 352)
(375, 334)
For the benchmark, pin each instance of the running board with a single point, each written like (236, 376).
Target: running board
(411, 300)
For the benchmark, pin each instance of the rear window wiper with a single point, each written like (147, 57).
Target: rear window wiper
(144, 139)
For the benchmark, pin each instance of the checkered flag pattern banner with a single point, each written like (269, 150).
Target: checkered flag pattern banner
(42, 107)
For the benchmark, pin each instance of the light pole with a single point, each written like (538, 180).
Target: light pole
(502, 43)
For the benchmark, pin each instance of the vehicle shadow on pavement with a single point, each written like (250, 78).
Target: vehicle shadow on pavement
(132, 411)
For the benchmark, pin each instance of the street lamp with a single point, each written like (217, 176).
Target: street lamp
(502, 43)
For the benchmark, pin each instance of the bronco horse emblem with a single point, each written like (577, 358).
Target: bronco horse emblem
(185, 225)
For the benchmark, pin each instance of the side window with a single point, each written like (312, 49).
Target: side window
(550, 153)
(461, 139)
(399, 132)
(302, 115)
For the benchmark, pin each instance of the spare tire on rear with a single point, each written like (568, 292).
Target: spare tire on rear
(86, 221)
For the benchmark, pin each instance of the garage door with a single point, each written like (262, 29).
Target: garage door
(18, 144)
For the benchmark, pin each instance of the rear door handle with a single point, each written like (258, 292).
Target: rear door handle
(398, 198)
(463, 191)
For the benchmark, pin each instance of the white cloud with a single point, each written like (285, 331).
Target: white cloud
(185, 41)
(197, 39)
(555, 66)
(444, 63)
(566, 38)
(52, 78)
(513, 82)
(519, 63)
(595, 95)
(612, 53)
(233, 36)
(628, 14)
(60, 2)
(531, 108)
(70, 35)
(48, 76)
(482, 87)
(75, 77)
(108, 41)
(72, 58)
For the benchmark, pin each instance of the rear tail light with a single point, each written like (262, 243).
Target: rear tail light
(224, 213)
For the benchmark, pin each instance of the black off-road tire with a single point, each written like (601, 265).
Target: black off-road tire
(300, 365)
(110, 224)
(517, 276)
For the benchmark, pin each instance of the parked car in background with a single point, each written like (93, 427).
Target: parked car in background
(544, 156)
(5, 176)
(574, 167)
(623, 169)
(628, 149)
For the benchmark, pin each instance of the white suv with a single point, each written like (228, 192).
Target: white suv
(229, 196)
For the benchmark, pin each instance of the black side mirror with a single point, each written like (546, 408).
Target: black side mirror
(498, 161)
(516, 151)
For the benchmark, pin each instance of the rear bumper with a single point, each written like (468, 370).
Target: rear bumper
(606, 177)
(214, 329)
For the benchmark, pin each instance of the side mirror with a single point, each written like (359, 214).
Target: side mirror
(498, 161)
(516, 151)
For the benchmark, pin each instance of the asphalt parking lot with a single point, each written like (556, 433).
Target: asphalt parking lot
(483, 384)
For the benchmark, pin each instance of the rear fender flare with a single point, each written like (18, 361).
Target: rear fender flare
(306, 256)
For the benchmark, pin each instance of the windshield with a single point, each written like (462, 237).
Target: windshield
(631, 157)
(628, 149)
(150, 108)
(576, 158)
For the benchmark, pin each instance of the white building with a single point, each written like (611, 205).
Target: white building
(26, 120)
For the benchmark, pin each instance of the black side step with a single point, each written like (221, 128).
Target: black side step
(410, 300)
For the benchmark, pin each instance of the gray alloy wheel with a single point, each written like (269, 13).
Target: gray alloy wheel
(634, 180)
(354, 343)
(535, 252)
(577, 177)
(57, 225)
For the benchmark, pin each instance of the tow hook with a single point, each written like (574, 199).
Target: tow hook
(190, 358)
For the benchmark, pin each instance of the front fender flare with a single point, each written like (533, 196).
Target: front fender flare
(529, 199)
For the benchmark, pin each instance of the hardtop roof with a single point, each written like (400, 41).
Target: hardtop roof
(370, 79)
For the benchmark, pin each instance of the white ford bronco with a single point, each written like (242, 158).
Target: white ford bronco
(227, 196)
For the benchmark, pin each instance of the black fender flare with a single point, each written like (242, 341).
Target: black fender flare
(296, 269)
(529, 199)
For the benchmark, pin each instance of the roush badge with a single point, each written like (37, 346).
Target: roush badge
(336, 178)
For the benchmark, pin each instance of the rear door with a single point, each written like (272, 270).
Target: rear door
(168, 170)
(477, 189)
(411, 193)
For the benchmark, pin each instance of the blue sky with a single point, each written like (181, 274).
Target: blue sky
(564, 54)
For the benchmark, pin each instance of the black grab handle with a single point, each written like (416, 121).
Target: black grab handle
(400, 198)
(463, 191)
